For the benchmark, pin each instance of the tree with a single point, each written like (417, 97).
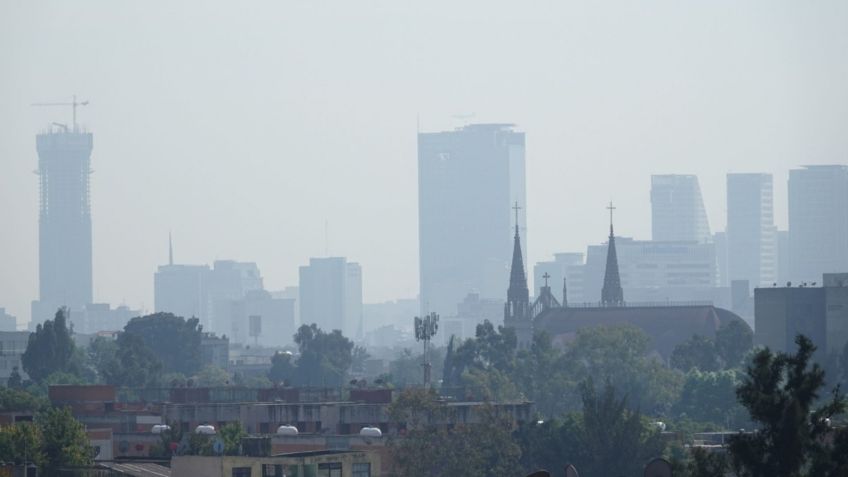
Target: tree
(15, 381)
(604, 439)
(612, 440)
(50, 348)
(358, 358)
(175, 340)
(20, 443)
(482, 367)
(232, 434)
(698, 352)
(17, 400)
(711, 397)
(779, 391)
(732, 342)
(324, 357)
(431, 448)
(64, 441)
(618, 354)
(282, 367)
(133, 364)
(212, 376)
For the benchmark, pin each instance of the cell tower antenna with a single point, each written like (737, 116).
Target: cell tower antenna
(425, 329)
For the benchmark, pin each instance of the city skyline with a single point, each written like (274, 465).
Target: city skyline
(191, 154)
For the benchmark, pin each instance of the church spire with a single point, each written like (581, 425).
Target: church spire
(612, 294)
(518, 291)
(517, 306)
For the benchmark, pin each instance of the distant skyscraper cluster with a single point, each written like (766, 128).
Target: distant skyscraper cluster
(470, 183)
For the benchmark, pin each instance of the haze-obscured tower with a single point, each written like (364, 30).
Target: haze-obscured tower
(331, 294)
(467, 181)
(751, 246)
(677, 209)
(64, 223)
(818, 222)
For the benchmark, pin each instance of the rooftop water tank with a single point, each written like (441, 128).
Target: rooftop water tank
(371, 432)
(204, 429)
(286, 430)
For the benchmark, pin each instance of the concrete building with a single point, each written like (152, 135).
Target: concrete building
(818, 312)
(470, 312)
(720, 241)
(64, 222)
(467, 181)
(565, 270)
(652, 271)
(396, 313)
(751, 234)
(323, 463)
(818, 222)
(215, 351)
(677, 209)
(784, 274)
(181, 290)
(12, 347)
(7, 321)
(200, 291)
(331, 294)
(96, 317)
(256, 319)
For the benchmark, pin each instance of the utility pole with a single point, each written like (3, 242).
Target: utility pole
(425, 329)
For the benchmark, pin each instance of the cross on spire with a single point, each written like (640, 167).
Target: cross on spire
(546, 276)
(516, 208)
(611, 208)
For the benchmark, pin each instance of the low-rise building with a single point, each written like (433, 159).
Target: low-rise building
(12, 347)
(329, 463)
(818, 312)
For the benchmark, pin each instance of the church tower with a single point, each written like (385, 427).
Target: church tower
(612, 294)
(517, 308)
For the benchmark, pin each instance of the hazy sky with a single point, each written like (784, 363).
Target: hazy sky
(244, 126)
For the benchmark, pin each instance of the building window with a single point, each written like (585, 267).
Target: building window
(331, 469)
(241, 471)
(271, 470)
(362, 470)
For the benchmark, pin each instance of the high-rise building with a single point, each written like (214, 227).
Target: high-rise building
(818, 222)
(181, 290)
(203, 292)
(651, 271)
(331, 294)
(677, 209)
(751, 235)
(64, 225)
(467, 181)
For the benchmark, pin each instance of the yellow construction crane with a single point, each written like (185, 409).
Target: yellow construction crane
(73, 104)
